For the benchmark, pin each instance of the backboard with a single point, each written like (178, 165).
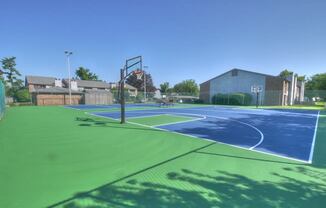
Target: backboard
(256, 88)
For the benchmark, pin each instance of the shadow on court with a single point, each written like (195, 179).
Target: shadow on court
(295, 186)
(91, 122)
(186, 188)
(250, 158)
(221, 189)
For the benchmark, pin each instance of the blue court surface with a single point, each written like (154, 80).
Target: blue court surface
(285, 133)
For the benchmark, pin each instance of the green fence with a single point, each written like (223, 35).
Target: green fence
(2, 100)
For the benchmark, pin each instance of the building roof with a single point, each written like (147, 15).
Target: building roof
(239, 70)
(90, 83)
(39, 80)
(55, 90)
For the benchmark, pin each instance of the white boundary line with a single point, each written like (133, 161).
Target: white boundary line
(239, 147)
(144, 116)
(160, 114)
(261, 110)
(177, 122)
(314, 140)
(218, 117)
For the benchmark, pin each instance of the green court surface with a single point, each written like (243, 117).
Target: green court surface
(59, 157)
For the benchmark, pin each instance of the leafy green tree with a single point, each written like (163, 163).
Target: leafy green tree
(285, 73)
(302, 78)
(316, 82)
(85, 74)
(12, 75)
(165, 87)
(2, 79)
(22, 95)
(187, 87)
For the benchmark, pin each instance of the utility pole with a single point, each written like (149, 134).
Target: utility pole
(68, 54)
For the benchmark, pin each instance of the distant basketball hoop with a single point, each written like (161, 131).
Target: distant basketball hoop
(256, 89)
(139, 73)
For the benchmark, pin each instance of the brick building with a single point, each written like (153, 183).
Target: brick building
(275, 90)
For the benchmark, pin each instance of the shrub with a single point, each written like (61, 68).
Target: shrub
(23, 95)
(232, 99)
(221, 99)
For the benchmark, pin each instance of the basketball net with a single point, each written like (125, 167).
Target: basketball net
(139, 73)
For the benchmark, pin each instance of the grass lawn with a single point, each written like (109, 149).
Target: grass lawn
(59, 157)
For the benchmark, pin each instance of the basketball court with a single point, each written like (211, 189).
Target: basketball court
(283, 133)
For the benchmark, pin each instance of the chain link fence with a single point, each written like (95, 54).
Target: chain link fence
(135, 96)
(2, 100)
(264, 98)
(268, 98)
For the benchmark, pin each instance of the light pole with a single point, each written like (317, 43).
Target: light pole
(145, 69)
(68, 54)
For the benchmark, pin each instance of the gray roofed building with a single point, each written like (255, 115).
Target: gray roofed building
(274, 90)
(39, 80)
(52, 91)
(127, 86)
(89, 84)
(36, 82)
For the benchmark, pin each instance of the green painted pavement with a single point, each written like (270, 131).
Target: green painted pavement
(50, 154)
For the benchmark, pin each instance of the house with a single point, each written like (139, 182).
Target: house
(77, 84)
(275, 90)
(53, 91)
(39, 82)
(130, 89)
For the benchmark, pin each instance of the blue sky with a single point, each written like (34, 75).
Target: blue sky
(178, 39)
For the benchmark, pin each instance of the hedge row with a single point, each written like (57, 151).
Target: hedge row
(232, 99)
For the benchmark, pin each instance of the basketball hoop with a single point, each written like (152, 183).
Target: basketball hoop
(139, 73)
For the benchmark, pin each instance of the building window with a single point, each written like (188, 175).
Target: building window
(234, 73)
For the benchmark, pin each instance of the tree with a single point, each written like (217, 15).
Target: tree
(85, 74)
(165, 87)
(187, 87)
(316, 82)
(285, 73)
(12, 75)
(139, 83)
(22, 95)
(302, 78)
